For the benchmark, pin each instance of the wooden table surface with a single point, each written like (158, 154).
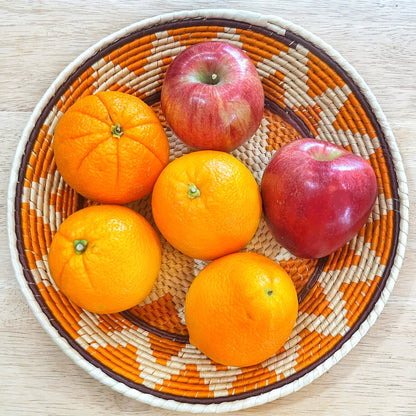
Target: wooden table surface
(39, 38)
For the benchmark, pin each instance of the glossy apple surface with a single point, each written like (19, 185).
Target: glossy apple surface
(316, 196)
(212, 96)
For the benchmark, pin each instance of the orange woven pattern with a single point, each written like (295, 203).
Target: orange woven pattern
(147, 347)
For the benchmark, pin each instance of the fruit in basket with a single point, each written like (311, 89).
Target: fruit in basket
(317, 196)
(212, 96)
(241, 309)
(105, 258)
(206, 204)
(110, 147)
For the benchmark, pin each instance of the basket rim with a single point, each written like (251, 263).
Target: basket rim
(271, 23)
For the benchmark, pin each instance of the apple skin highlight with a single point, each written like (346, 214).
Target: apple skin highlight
(317, 196)
(212, 96)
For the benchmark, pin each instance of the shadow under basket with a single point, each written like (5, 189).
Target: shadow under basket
(144, 353)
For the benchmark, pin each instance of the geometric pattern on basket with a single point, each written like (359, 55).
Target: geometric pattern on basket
(146, 348)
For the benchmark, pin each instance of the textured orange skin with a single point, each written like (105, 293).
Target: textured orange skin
(100, 166)
(119, 266)
(229, 314)
(225, 216)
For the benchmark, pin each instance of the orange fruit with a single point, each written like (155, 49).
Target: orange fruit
(241, 309)
(110, 147)
(206, 204)
(105, 258)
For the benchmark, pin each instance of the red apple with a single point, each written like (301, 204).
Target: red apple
(317, 196)
(212, 96)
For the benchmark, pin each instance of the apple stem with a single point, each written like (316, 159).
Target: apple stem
(80, 246)
(193, 191)
(214, 78)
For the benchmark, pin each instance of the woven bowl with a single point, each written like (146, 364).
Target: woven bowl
(144, 352)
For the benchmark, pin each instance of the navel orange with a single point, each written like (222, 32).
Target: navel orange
(105, 258)
(241, 309)
(110, 147)
(207, 204)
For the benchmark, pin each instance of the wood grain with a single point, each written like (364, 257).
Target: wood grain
(39, 38)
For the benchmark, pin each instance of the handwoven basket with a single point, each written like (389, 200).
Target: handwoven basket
(144, 352)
